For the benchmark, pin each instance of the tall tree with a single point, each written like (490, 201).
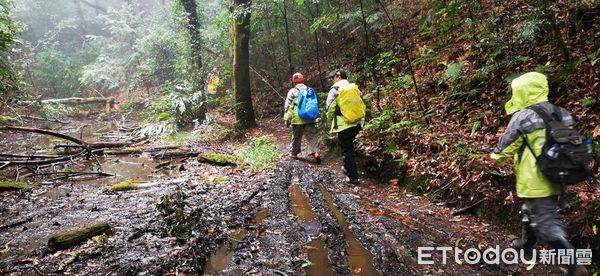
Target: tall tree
(193, 27)
(244, 112)
(9, 78)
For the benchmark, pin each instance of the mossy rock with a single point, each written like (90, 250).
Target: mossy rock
(9, 186)
(219, 159)
(126, 185)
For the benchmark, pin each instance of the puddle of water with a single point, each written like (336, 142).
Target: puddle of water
(138, 168)
(360, 259)
(223, 256)
(316, 249)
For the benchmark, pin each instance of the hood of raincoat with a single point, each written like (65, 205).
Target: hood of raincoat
(528, 89)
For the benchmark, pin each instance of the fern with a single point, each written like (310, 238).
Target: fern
(452, 72)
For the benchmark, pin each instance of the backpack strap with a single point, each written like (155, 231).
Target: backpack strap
(544, 115)
(528, 146)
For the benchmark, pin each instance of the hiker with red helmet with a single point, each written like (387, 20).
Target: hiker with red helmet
(301, 122)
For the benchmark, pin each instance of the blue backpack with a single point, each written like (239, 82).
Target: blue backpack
(308, 107)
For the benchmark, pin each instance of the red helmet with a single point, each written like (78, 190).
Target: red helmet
(297, 78)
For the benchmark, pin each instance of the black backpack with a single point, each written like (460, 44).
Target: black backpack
(566, 153)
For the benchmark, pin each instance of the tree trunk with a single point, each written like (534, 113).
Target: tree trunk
(194, 30)
(317, 48)
(549, 14)
(365, 26)
(95, 6)
(287, 39)
(244, 112)
(275, 61)
(81, 18)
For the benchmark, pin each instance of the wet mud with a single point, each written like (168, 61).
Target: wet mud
(300, 219)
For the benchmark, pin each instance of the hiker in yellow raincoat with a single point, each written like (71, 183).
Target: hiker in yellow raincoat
(346, 131)
(213, 81)
(539, 213)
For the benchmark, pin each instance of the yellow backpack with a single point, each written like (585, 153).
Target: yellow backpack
(351, 105)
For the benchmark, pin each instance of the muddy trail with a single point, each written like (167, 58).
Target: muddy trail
(199, 218)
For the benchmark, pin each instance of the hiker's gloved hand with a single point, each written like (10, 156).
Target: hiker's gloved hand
(288, 123)
(488, 161)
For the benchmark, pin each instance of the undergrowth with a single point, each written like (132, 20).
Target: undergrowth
(260, 154)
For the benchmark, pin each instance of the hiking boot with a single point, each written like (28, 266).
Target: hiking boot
(344, 171)
(317, 157)
(293, 156)
(352, 181)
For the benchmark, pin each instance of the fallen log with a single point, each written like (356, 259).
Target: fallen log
(73, 100)
(71, 238)
(468, 208)
(76, 174)
(40, 162)
(24, 156)
(131, 150)
(43, 119)
(124, 151)
(43, 131)
(175, 154)
(15, 223)
(107, 145)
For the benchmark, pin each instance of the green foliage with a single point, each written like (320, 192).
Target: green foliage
(446, 15)
(452, 72)
(181, 221)
(57, 74)
(476, 125)
(9, 78)
(117, 59)
(179, 106)
(53, 111)
(528, 32)
(588, 102)
(426, 55)
(259, 154)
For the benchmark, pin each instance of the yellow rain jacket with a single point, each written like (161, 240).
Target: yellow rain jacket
(332, 103)
(528, 89)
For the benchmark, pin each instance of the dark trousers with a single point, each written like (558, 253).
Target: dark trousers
(346, 138)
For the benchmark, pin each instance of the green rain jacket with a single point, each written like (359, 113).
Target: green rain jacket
(291, 113)
(332, 103)
(528, 89)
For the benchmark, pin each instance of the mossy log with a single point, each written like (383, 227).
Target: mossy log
(218, 159)
(9, 186)
(71, 238)
(122, 151)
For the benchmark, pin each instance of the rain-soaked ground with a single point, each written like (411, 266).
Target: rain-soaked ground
(300, 219)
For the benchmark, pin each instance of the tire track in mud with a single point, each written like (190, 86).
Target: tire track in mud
(301, 221)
